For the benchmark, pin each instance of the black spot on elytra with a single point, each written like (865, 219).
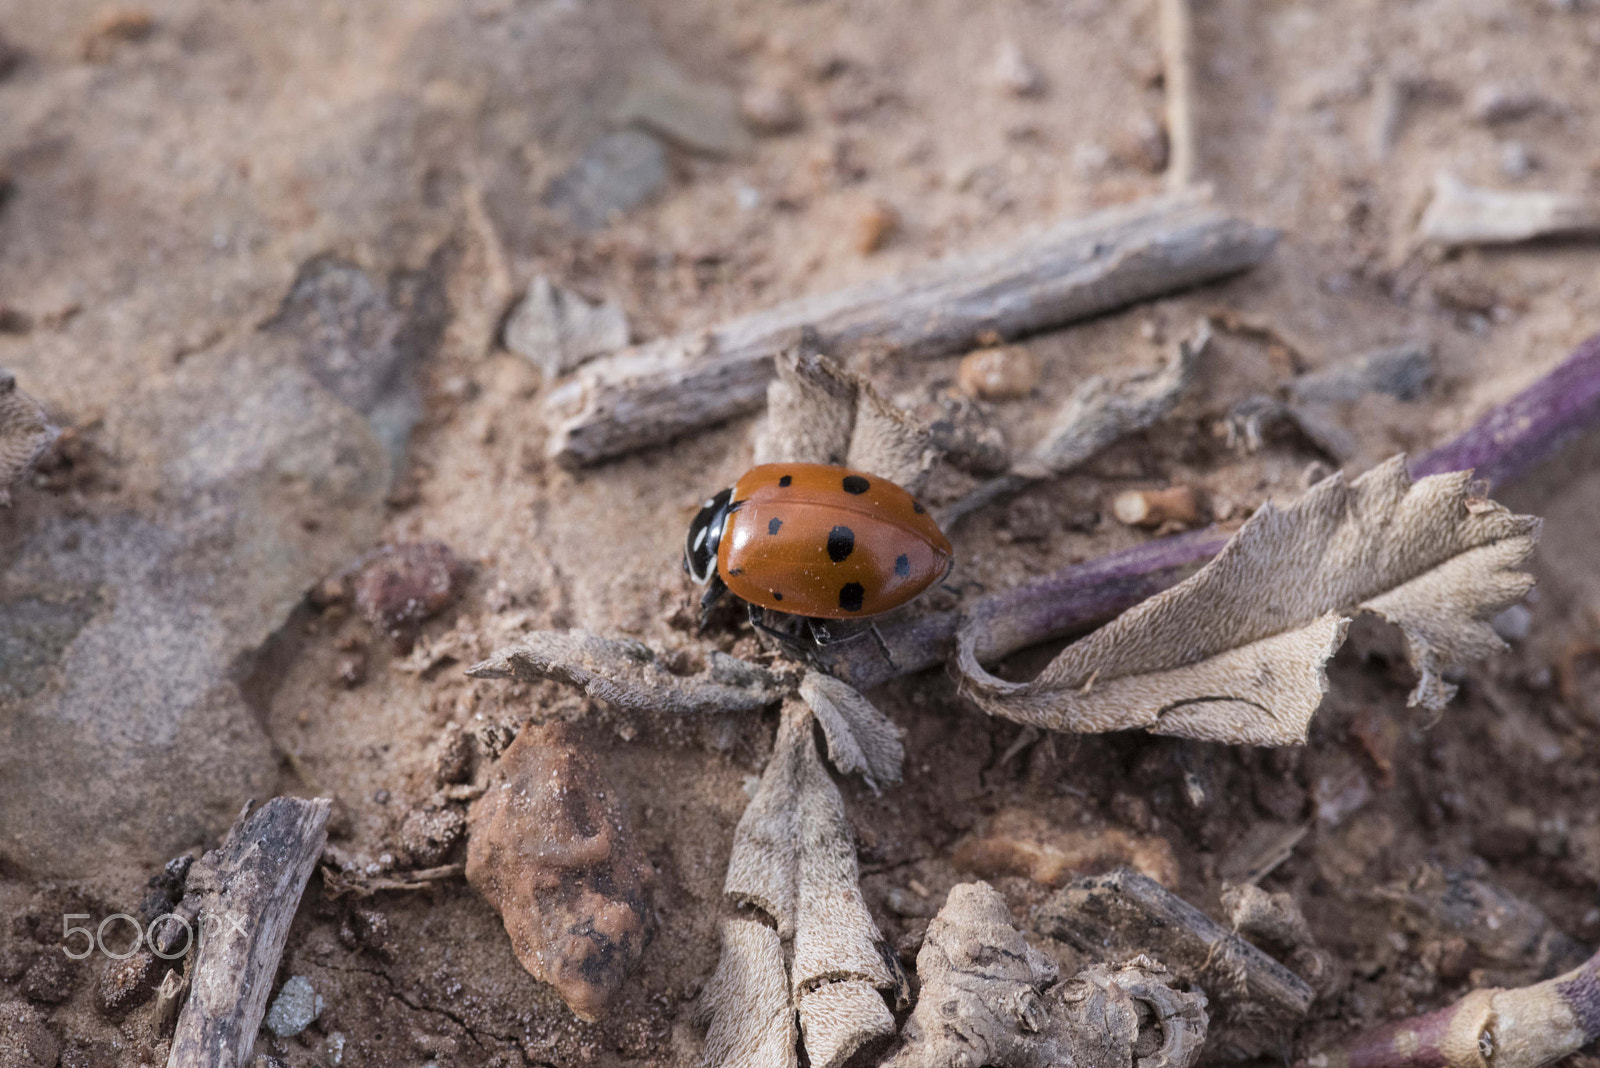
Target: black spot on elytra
(917, 508)
(851, 594)
(776, 596)
(734, 572)
(785, 480)
(855, 484)
(841, 543)
(773, 525)
(902, 565)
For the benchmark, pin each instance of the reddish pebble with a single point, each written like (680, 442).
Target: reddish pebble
(400, 586)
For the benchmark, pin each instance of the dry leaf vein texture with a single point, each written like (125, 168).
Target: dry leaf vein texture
(1237, 653)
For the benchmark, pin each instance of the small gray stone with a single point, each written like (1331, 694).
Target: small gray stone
(615, 173)
(698, 116)
(1014, 73)
(1515, 160)
(558, 330)
(297, 1005)
(1514, 624)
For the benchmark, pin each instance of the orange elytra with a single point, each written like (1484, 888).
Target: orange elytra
(816, 540)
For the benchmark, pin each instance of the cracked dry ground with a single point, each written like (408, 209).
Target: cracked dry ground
(255, 257)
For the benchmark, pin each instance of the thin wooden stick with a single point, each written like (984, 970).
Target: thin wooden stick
(651, 393)
(1177, 56)
(246, 891)
(1509, 440)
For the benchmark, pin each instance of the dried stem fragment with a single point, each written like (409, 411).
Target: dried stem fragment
(628, 674)
(987, 999)
(651, 393)
(1217, 658)
(24, 434)
(746, 1001)
(1177, 55)
(1462, 215)
(1492, 1028)
(245, 892)
(1157, 508)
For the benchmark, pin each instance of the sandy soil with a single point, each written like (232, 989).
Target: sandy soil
(166, 184)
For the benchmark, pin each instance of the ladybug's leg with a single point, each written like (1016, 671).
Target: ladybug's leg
(883, 647)
(715, 588)
(794, 647)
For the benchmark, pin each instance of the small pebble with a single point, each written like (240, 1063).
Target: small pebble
(430, 836)
(1494, 104)
(1515, 160)
(998, 374)
(1514, 624)
(1154, 508)
(1142, 144)
(402, 585)
(874, 226)
(297, 1005)
(49, 979)
(770, 109)
(1014, 73)
(114, 26)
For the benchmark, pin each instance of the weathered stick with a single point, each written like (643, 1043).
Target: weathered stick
(1521, 1028)
(651, 393)
(1462, 215)
(1510, 439)
(1177, 55)
(247, 890)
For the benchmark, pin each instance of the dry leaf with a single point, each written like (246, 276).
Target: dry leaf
(986, 1000)
(628, 674)
(1236, 653)
(860, 738)
(820, 413)
(794, 858)
(24, 433)
(746, 1001)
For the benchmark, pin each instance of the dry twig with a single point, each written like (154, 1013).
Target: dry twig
(244, 893)
(1491, 1028)
(1462, 215)
(651, 393)
(1177, 55)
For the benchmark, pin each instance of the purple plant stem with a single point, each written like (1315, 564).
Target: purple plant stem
(1509, 440)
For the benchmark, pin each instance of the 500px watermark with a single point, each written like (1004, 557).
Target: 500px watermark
(95, 937)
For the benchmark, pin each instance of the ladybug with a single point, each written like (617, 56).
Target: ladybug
(817, 541)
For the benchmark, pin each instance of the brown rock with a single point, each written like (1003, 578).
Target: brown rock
(1021, 842)
(453, 762)
(550, 848)
(874, 226)
(402, 585)
(1155, 508)
(428, 836)
(25, 1041)
(998, 374)
(49, 979)
(770, 109)
(127, 984)
(115, 26)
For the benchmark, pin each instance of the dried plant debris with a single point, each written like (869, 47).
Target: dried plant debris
(1275, 921)
(746, 1001)
(558, 330)
(1116, 916)
(861, 740)
(794, 859)
(630, 675)
(25, 434)
(1521, 1028)
(987, 999)
(1022, 841)
(1100, 412)
(551, 849)
(1460, 214)
(1503, 929)
(818, 412)
(1236, 653)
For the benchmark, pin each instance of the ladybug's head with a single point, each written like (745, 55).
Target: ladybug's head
(705, 534)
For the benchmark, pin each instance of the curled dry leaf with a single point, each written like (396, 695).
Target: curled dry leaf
(24, 433)
(549, 846)
(746, 1001)
(987, 1000)
(1525, 1027)
(794, 858)
(1100, 412)
(628, 674)
(818, 412)
(1236, 653)
(860, 738)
